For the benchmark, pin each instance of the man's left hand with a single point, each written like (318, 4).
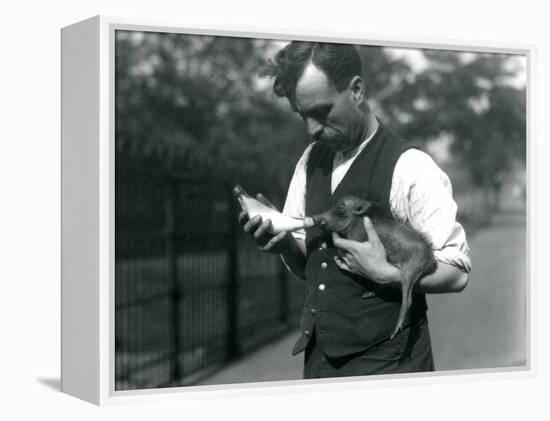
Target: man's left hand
(367, 259)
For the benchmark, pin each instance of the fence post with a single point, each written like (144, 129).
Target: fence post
(232, 297)
(175, 290)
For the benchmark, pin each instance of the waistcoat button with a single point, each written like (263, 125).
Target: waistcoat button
(321, 287)
(324, 265)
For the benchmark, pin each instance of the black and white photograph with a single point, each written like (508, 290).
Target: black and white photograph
(274, 211)
(305, 210)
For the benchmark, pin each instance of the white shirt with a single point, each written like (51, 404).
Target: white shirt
(420, 196)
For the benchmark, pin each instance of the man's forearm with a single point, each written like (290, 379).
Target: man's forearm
(295, 256)
(446, 278)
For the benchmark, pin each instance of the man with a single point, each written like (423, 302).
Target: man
(352, 303)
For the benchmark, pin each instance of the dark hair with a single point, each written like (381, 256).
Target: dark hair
(340, 62)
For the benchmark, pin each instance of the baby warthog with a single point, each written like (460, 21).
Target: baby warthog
(406, 248)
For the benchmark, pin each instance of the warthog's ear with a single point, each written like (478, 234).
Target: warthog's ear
(362, 208)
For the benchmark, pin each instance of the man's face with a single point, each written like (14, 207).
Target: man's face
(332, 118)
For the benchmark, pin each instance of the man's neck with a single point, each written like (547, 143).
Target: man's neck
(371, 125)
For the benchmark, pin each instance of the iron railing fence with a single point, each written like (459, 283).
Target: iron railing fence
(191, 293)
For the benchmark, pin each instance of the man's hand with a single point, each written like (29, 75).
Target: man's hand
(367, 259)
(258, 230)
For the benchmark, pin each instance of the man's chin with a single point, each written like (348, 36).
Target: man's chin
(334, 144)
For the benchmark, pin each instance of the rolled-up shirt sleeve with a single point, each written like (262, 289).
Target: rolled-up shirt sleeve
(295, 203)
(421, 196)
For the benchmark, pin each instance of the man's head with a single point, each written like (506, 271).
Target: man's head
(323, 84)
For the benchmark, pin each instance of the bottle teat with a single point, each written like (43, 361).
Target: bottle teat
(238, 190)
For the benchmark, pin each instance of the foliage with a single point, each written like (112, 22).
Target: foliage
(471, 101)
(194, 104)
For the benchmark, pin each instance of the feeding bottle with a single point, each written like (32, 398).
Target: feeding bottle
(279, 221)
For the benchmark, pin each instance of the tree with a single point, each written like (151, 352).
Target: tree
(194, 104)
(471, 101)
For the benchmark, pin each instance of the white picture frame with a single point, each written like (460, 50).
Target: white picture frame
(88, 211)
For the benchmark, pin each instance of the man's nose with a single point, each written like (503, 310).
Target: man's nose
(314, 128)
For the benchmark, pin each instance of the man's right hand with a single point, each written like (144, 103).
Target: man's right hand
(259, 230)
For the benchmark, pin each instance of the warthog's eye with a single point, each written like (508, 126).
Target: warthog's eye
(340, 210)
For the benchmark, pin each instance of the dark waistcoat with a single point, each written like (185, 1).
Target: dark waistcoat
(349, 313)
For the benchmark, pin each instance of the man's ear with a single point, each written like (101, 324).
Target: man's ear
(357, 88)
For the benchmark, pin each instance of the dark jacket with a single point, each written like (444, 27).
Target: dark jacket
(349, 313)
